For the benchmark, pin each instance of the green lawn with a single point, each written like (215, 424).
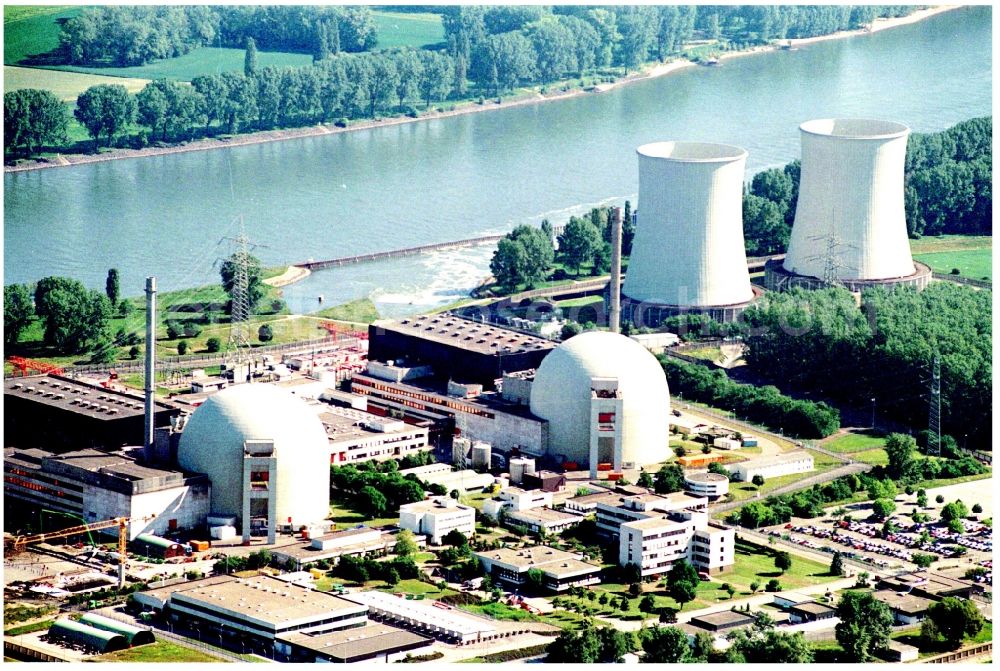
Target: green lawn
(419, 587)
(361, 311)
(975, 264)
(32, 30)
(66, 85)
(345, 516)
(28, 628)
(580, 302)
(876, 457)
(847, 443)
(160, 651)
(406, 29)
(950, 243)
(706, 353)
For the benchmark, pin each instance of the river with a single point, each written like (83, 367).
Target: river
(452, 178)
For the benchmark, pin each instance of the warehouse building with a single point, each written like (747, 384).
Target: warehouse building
(98, 486)
(560, 570)
(457, 348)
(906, 608)
(59, 414)
(931, 585)
(252, 611)
(371, 644)
(436, 517)
(134, 635)
(355, 542)
(441, 474)
(788, 463)
(427, 617)
(158, 547)
(79, 634)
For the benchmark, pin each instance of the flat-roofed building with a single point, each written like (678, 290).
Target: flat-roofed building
(810, 611)
(96, 485)
(931, 585)
(906, 608)
(704, 483)
(788, 463)
(457, 348)
(436, 517)
(464, 481)
(255, 610)
(431, 618)
(543, 520)
(611, 515)
(348, 542)
(515, 499)
(713, 548)
(586, 504)
(560, 570)
(725, 620)
(372, 644)
(356, 435)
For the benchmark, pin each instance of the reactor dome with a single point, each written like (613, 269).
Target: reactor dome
(562, 394)
(213, 443)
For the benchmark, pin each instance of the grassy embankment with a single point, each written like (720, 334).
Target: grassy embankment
(971, 254)
(160, 651)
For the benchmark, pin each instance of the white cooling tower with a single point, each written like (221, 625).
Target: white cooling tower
(849, 221)
(688, 249)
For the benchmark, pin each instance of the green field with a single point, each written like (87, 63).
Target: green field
(876, 457)
(160, 651)
(405, 29)
(344, 516)
(950, 243)
(66, 85)
(32, 30)
(580, 302)
(847, 443)
(361, 311)
(975, 264)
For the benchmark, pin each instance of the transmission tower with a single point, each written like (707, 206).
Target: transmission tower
(832, 265)
(238, 350)
(934, 412)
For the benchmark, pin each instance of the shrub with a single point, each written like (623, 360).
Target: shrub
(182, 347)
(213, 344)
(341, 123)
(265, 333)
(772, 585)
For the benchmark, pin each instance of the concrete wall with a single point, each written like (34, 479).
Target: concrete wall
(505, 431)
(189, 505)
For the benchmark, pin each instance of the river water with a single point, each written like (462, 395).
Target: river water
(459, 177)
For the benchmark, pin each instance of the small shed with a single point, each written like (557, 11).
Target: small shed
(810, 611)
(155, 546)
(134, 635)
(901, 652)
(88, 636)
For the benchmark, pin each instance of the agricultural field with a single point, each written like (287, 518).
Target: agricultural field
(66, 85)
(31, 31)
(406, 29)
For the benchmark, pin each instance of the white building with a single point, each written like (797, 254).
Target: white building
(437, 516)
(516, 499)
(724, 443)
(703, 483)
(355, 435)
(441, 474)
(560, 570)
(612, 514)
(544, 520)
(656, 543)
(787, 463)
(426, 617)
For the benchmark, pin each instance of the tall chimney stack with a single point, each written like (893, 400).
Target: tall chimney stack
(615, 286)
(149, 440)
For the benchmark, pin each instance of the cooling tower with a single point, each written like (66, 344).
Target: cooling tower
(850, 225)
(688, 253)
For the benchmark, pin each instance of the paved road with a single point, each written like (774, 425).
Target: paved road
(804, 483)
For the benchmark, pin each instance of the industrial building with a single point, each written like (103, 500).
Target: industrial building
(355, 435)
(428, 617)
(436, 517)
(371, 644)
(560, 570)
(58, 413)
(787, 463)
(690, 199)
(266, 454)
(254, 610)
(90, 637)
(906, 608)
(931, 585)
(96, 486)
(543, 520)
(850, 222)
(457, 348)
(703, 483)
(441, 474)
(355, 542)
(606, 400)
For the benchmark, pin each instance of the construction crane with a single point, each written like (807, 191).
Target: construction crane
(17, 544)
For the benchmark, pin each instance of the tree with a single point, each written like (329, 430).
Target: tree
(729, 589)
(757, 480)
(922, 500)
(18, 311)
(536, 580)
(105, 109)
(882, 508)
(577, 243)
(250, 58)
(33, 118)
(955, 619)
(569, 330)
(664, 645)
(435, 77)
(939, 498)
(765, 645)
(265, 333)
(864, 627)
(255, 282)
(716, 467)
(782, 561)
(754, 586)
(523, 256)
(955, 510)
(405, 546)
(837, 564)
(614, 645)
(372, 502)
(702, 647)
(670, 478)
(182, 347)
(112, 287)
(213, 344)
(76, 319)
(455, 538)
(923, 560)
(900, 448)
(645, 480)
(682, 580)
(772, 585)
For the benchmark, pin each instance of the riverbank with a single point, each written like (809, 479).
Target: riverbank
(531, 98)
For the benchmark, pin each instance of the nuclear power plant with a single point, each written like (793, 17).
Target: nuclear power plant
(688, 254)
(850, 225)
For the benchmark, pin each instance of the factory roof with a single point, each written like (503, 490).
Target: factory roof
(812, 607)
(549, 560)
(423, 611)
(79, 397)
(264, 599)
(346, 424)
(610, 498)
(466, 334)
(435, 505)
(90, 464)
(929, 582)
(358, 642)
(783, 458)
(904, 603)
(651, 523)
(723, 619)
(306, 553)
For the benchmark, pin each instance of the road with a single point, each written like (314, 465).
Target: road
(804, 483)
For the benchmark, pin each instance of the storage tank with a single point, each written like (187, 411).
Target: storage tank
(460, 451)
(481, 453)
(850, 223)
(688, 253)
(519, 467)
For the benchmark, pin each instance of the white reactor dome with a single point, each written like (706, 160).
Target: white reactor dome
(561, 394)
(213, 440)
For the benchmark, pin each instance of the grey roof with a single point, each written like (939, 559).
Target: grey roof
(467, 334)
(723, 619)
(347, 644)
(812, 607)
(79, 397)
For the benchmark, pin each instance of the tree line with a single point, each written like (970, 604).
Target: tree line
(883, 350)
(127, 36)
(764, 405)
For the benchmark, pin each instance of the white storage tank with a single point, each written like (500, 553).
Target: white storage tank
(481, 454)
(519, 467)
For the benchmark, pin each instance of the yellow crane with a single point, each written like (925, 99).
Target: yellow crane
(17, 544)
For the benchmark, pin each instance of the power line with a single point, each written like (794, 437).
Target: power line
(934, 419)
